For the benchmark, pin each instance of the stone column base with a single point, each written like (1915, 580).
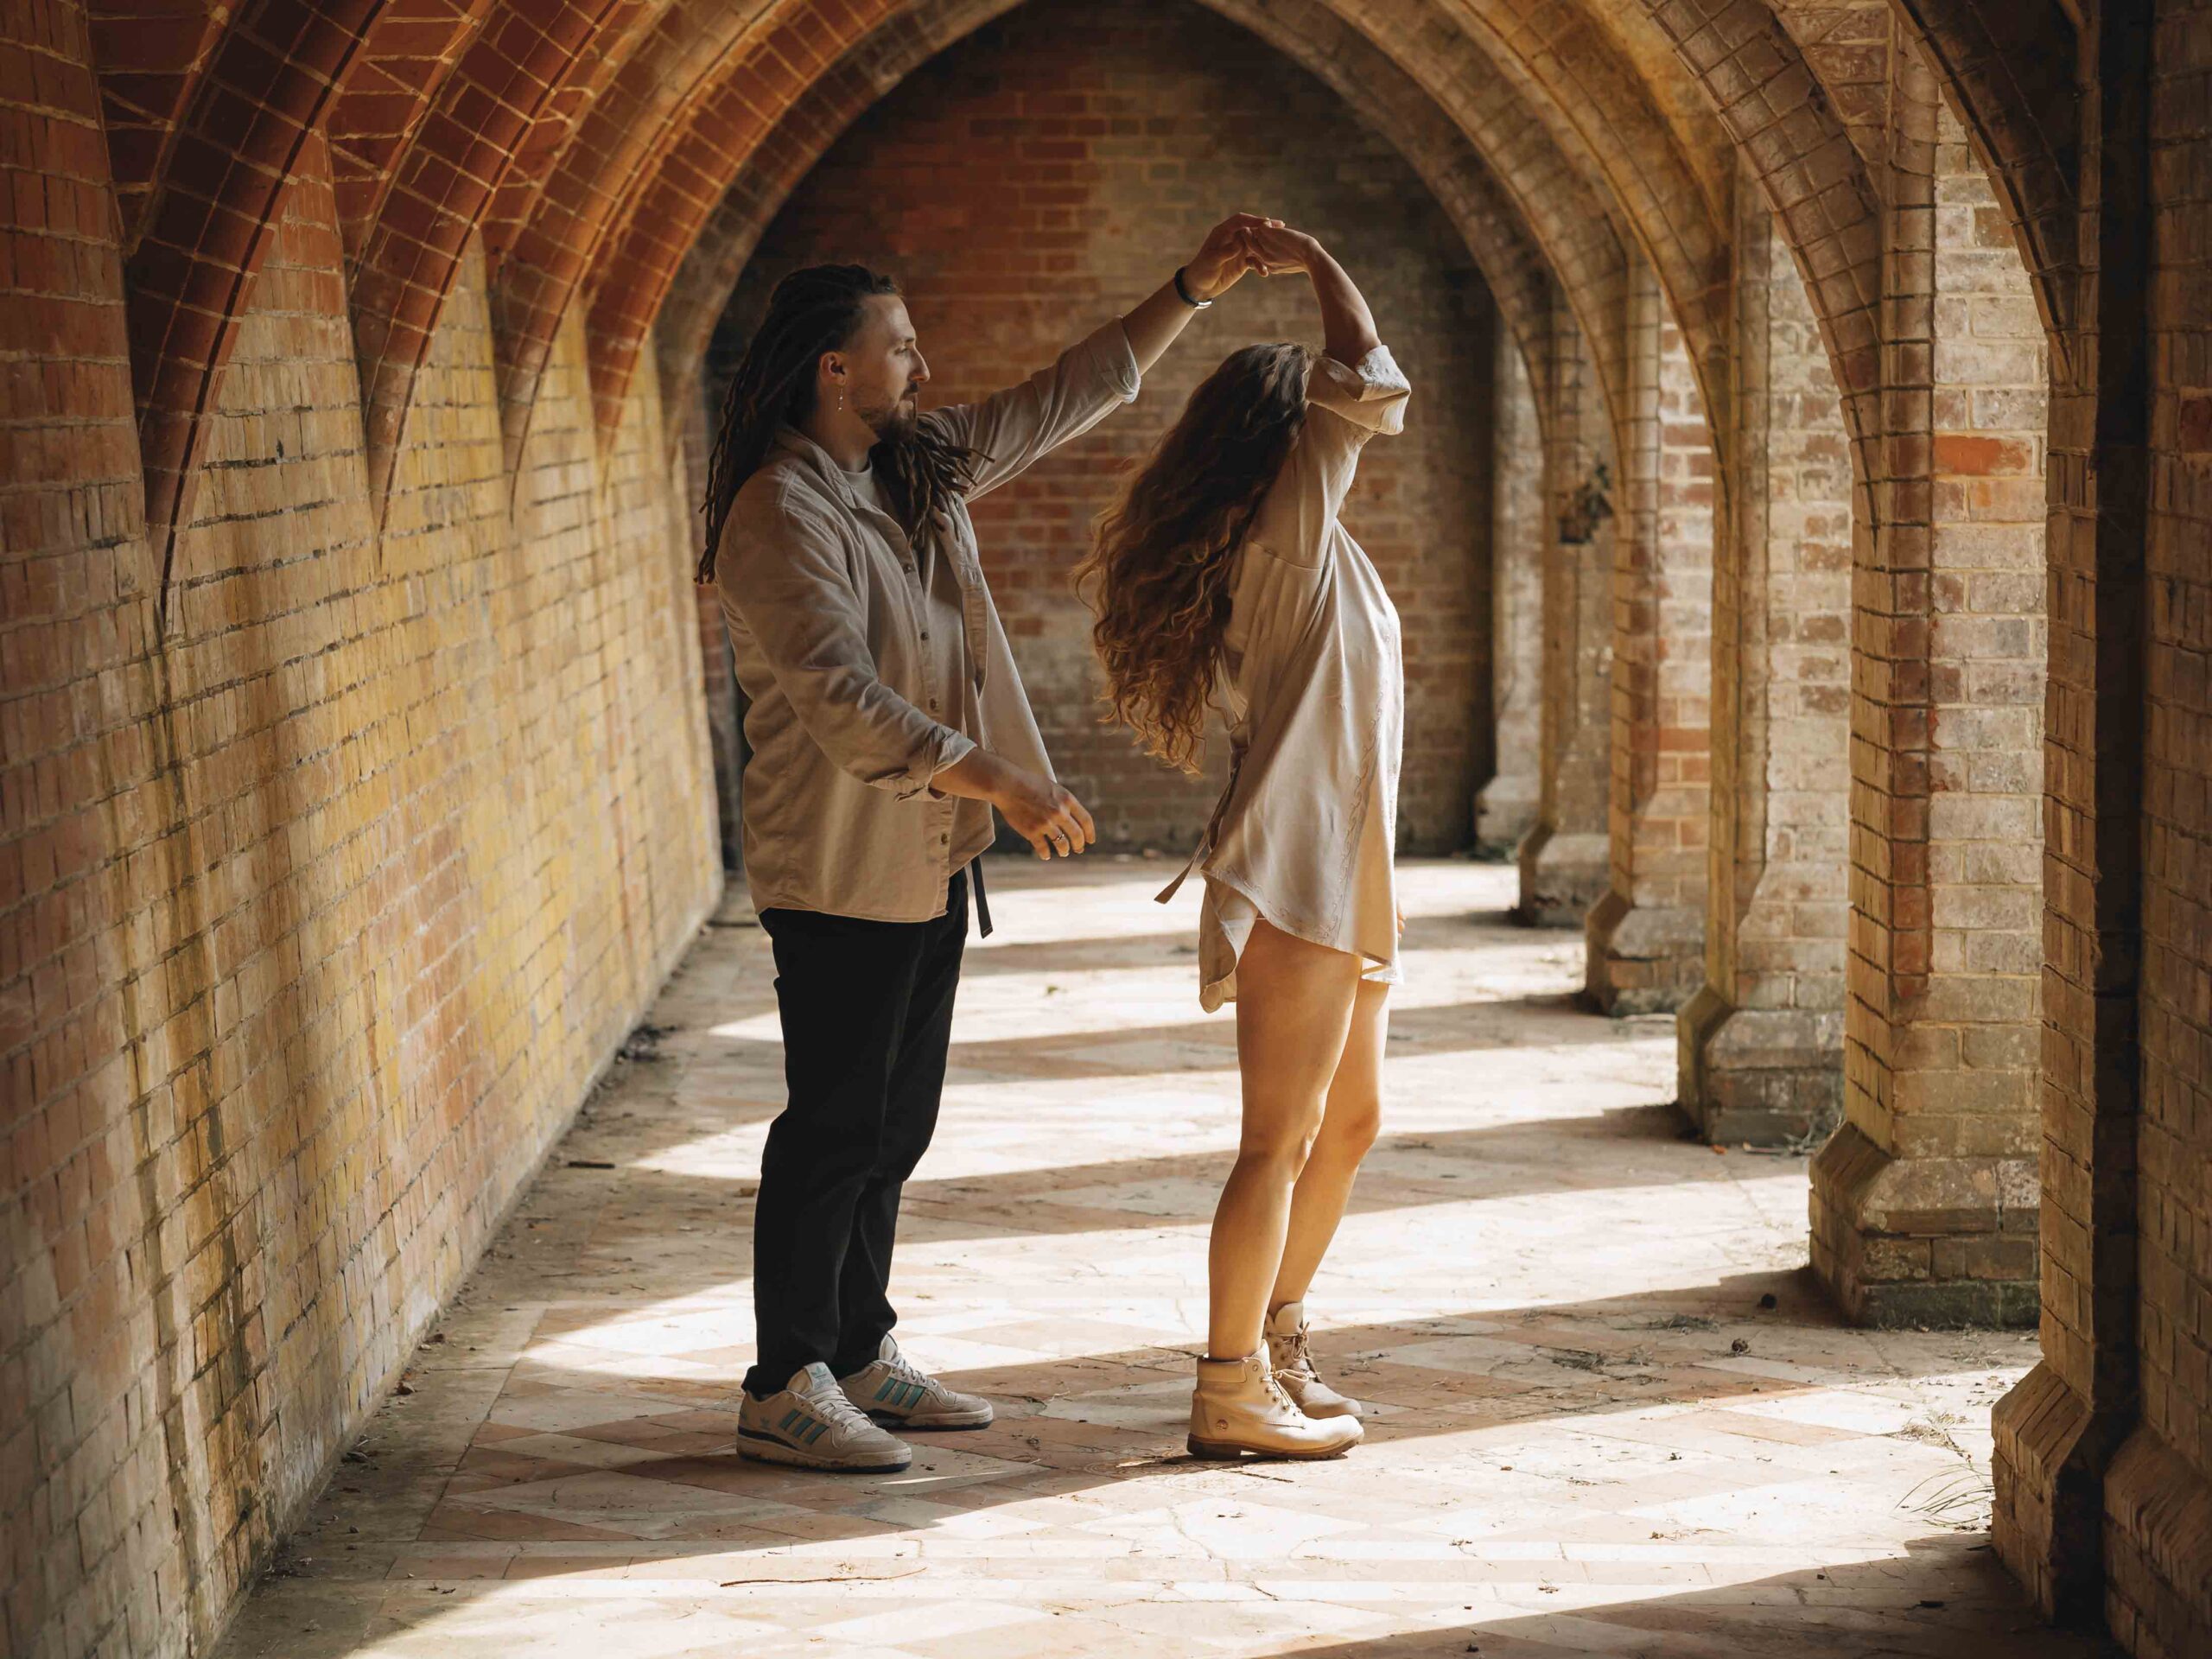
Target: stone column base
(1925, 1241)
(1642, 959)
(1562, 876)
(1758, 1076)
(2157, 1539)
(2050, 1456)
(1505, 812)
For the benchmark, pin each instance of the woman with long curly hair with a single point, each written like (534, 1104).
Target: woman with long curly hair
(1224, 566)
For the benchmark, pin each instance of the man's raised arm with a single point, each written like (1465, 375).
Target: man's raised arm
(1012, 427)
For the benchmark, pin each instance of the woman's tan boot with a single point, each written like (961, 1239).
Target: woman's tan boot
(1294, 1367)
(1239, 1407)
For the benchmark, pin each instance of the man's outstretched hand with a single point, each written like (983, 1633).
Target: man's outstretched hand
(1045, 815)
(1042, 812)
(1223, 257)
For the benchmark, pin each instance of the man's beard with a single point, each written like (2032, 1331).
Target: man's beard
(894, 424)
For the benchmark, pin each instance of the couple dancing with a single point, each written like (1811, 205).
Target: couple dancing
(887, 720)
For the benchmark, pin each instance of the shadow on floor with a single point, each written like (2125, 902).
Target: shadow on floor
(1068, 1424)
(1907, 1607)
(1208, 1044)
(1407, 1170)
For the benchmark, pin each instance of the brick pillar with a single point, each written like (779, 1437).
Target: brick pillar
(1923, 1203)
(1646, 935)
(2149, 1187)
(1505, 810)
(1761, 1044)
(1563, 858)
(2080, 1516)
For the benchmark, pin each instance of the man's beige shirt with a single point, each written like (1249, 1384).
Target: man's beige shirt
(847, 650)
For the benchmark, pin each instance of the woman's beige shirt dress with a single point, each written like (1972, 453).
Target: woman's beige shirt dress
(1315, 683)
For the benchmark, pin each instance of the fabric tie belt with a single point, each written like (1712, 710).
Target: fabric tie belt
(983, 899)
(1212, 833)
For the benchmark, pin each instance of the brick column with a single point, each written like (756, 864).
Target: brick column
(1923, 1203)
(1505, 809)
(1646, 935)
(1761, 1044)
(1563, 857)
(2079, 1501)
(2158, 1493)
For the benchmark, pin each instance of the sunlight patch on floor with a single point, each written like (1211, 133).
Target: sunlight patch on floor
(1611, 1414)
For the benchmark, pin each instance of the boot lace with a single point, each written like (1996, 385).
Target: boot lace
(1297, 1359)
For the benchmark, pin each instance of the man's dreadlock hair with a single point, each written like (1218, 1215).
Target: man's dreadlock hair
(813, 311)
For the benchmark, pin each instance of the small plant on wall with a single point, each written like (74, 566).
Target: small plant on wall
(1590, 504)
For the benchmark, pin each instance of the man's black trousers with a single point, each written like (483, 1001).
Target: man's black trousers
(867, 1012)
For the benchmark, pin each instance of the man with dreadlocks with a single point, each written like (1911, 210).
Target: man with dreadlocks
(885, 720)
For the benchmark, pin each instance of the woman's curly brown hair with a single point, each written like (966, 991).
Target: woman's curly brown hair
(1162, 556)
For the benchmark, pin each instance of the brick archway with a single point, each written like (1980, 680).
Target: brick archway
(1567, 219)
(1500, 241)
(375, 563)
(210, 202)
(606, 119)
(2008, 72)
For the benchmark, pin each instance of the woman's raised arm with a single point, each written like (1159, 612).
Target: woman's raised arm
(1347, 326)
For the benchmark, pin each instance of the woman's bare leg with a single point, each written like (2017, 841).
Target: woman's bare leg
(1349, 1123)
(1294, 1003)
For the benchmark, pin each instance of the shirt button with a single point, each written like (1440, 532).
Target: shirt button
(925, 633)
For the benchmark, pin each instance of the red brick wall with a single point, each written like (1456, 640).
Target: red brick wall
(1047, 173)
(317, 916)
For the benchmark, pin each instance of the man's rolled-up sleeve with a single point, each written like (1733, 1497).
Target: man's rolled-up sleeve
(781, 572)
(1011, 428)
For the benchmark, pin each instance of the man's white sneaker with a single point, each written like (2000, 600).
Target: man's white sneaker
(1293, 1365)
(893, 1387)
(811, 1425)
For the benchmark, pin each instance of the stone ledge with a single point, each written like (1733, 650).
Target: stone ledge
(1642, 959)
(2158, 1550)
(2049, 1461)
(1562, 876)
(1505, 812)
(1925, 1241)
(1758, 1076)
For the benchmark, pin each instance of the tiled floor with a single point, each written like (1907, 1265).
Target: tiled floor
(1613, 1416)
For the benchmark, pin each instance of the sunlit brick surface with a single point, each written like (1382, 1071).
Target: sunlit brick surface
(1591, 1435)
(355, 785)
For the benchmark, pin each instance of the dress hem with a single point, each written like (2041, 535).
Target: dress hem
(1210, 997)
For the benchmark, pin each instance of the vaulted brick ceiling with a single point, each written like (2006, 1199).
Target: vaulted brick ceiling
(613, 153)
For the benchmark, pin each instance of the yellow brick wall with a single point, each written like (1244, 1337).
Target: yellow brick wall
(377, 856)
